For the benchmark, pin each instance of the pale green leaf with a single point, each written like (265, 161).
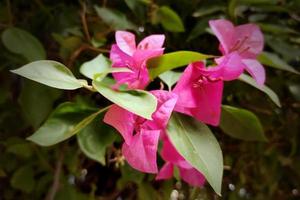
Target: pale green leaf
(22, 42)
(51, 73)
(170, 19)
(139, 102)
(99, 66)
(265, 89)
(241, 124)
(168, 61)
(272, 60)
(170, 78)
(196, 143)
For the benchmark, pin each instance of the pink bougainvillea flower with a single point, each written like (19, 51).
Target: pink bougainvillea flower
(200, 89)
(247, 40)
(125, 53)
(173, 158)
(141, 135)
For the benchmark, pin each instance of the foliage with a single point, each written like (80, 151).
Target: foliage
(258, 136)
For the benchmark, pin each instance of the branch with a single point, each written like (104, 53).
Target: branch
(55, 185)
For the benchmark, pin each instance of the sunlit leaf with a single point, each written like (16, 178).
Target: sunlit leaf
(168, 61)
(99, 66)
(170, 78)
(196, 143)
(139, 102)
(241, 124)
(51, 73)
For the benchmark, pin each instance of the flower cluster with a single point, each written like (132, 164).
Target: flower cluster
(198, 93)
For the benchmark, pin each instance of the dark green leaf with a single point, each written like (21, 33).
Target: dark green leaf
(23, 179)
(94, 139)
(265, 89)
(196, 143)
(168, 61)
(241, 124)
(139, 102)
(51, 73)
(170, 19)
(21, 42)
(65, 121)
(272, 60)
(115, 19)
(37, 101)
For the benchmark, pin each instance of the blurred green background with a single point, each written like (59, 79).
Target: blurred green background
(72, 32)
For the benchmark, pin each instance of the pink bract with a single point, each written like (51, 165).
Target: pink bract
(125, 53)
(174, 159)
(247, 40)
(141, 135)
(200, 89)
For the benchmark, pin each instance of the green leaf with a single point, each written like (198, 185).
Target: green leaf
(94, 139)
(272, 60)
(37, 101)
(273, 96)
(51, 73)
(170, 78)
(22, 42)
(168, 61)
(21, 149)
(99, 66)
(170, 19)
(64, 122)
(23, 179)
(203, 11)
(114, 18)
(139, 102)
(241, 124)
(196, 143)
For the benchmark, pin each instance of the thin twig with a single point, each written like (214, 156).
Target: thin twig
(56, 182)
(10, 16)
(82, 48)
(84, 22)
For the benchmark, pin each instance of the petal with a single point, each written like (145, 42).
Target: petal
(208, 108)
(152, 42)
(253, 45)
(224, 30)
(232, 66)
(122, 120)
(170, 154)
(165, 104)
(119, 58)
(187, 94)
(192, 176)
(165, 172)
(256, 70)
(141, 153)
(141, 56)
(126, 42)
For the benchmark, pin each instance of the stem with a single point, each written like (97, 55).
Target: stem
(84, 22)
(10, 16)
(55, 185)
